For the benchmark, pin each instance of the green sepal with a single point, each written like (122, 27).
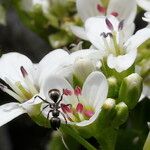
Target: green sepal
(130, 90)
(57, 144)
(60, 39)
(37, 116)
(121, 114)
(113, 87)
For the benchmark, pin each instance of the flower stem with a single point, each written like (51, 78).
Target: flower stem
(70, 131)
(147, 143)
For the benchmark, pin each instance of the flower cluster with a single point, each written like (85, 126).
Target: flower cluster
(92, 89)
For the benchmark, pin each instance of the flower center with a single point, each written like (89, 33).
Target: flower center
(111, 43)
(18, 91)
(79, 112)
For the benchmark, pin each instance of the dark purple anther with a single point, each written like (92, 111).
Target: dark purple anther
(109, 24)
(121, 24)
(23, 71)
(109, 34)
(103, 34)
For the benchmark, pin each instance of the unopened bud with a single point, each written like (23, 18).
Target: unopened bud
(82, 68)
(113, 87)
(130, 90)
(109, 104)
(121, 114)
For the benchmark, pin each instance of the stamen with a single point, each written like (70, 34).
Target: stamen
(28, 81)
(101, 9)
(112, 46)
(121, 24)
(109, 24)
(65, 108)
(23, 71)
(104, 35)
(67, 92)
(77, 91)
(24, 91)
(15, 88)
(11, 93)
(88, 113)
(79, 108)
(115, 14)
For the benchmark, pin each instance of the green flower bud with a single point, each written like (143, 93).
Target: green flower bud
(113, 87)
(107, 113)
(82, 68)
(121, 114)
(130, 90)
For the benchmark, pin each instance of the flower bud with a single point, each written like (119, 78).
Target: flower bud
(113, 87)
(121, 114)
(109, 104)
(107, 113)
(130, 90)
(82, 68)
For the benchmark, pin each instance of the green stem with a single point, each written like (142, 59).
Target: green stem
(70, 131)
(107, 139)
(147, 143)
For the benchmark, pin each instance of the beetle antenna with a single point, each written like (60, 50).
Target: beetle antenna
(62, 138)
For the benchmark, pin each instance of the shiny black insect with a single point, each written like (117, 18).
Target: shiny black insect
(56, 97)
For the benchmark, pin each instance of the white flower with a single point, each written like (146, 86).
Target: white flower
(80, 107)
(146, 84)
(25, 79)
(122, 9)
(115, 40)
(145, 4)
(28, 5)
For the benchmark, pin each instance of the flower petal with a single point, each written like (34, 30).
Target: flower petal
(79, 32)
(144, 4)
(87, 8)
(95, 26)
(145, 92)
(137, 39)
(122, 62)
(95, 89)
(49, 64)
(56, 82)
(12, 62)
(10, 111)
(125, 8)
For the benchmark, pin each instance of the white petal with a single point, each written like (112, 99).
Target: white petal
(87, 8)
(138, 38)
(12, 62)
(95, 89)
(56, 82)
(79, 32)
(50, 62)
(10, 111)
(145, 4)
(125, 8)
(90, 121)
(95, 26)
(122, 62)
(53, 58)
(145, 92)
(146, 17)
(128, 31)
